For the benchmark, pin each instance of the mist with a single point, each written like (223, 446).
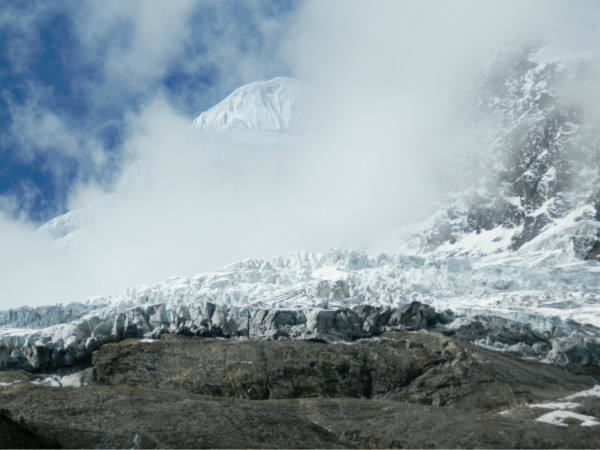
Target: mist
(385, 83)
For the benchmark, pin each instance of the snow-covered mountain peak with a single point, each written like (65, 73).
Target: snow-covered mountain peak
(136, 176)
(261, 106)
(65, 230)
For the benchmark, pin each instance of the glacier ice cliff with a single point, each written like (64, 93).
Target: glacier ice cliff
(338, 296)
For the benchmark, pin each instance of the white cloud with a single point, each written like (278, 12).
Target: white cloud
(387, 78)
(135, 40)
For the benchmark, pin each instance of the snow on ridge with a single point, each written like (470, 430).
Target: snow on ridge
(63, 225)
(261, 106)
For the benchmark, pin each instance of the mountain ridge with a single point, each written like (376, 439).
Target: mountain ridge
(260, 106)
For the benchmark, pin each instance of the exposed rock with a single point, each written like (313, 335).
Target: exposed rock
(132, 416)
(594, 251)
(375, 388)
(420, 367)
(14, 435)
(518, 337)
(136, 417)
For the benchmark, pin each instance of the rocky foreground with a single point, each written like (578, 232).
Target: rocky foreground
(403, 389)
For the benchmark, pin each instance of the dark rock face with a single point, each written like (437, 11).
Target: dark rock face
(136, 417)
(13, 435)
(594, 252)
(419, 367)
(542, 152)
(409, 389)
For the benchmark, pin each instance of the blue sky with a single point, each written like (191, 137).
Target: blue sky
(72, 71)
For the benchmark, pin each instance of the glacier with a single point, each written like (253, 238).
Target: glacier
(509, 261)
(552, 307)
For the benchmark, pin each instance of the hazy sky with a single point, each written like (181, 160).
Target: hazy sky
(89, 88)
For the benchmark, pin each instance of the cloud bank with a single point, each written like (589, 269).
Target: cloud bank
(386, 83)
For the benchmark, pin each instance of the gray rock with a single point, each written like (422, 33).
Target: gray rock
(420, 367)
(16, 435)
(410, 389)
(128, 416)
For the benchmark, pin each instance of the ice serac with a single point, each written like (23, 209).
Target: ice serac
(262, 106)
(526, 307)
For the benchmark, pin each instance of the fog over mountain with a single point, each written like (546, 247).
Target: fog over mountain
(430, 130)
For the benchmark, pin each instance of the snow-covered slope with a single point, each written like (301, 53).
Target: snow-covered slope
(262, 106)
(536, 162)
(65, 230)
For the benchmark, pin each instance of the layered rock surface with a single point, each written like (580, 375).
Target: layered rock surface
(403, 390)
(417, 367)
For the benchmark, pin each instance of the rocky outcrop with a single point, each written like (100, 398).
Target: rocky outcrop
(138, 417)
(408, 389)
(569, 345)
(419, 367)
(539, 160)
(14, 435)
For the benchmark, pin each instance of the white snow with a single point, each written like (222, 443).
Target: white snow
(593, 392)
(48, 381)
(65, 225)
(76, 379)
(262, 106)
(529, 286)
(483, 243)
(556, 405)
(560, 417)
(561, 410)
(329, 273)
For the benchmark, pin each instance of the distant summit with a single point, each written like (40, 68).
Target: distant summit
(262, 106)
